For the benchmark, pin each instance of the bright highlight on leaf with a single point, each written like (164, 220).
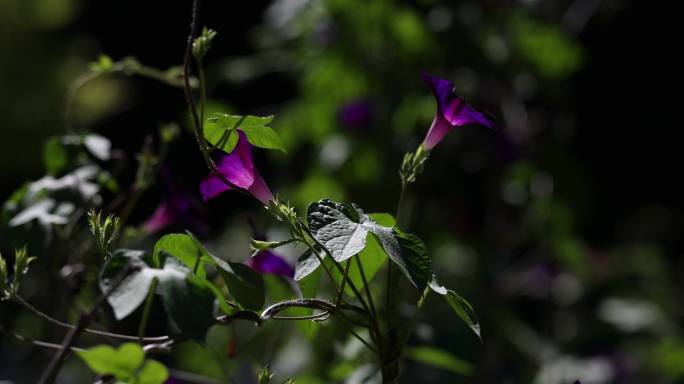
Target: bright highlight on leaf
(343, 229)
(126, 363)
(221, 131)
(460, 305)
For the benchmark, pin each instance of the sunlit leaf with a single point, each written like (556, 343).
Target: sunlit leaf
(185, 249)
(127, 363)
(121, 362)
(219, 130)
(343, 229)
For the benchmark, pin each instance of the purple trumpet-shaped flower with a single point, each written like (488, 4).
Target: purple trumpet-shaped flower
(267, 262)
(452, 111)
(178, 206)
(238, 168)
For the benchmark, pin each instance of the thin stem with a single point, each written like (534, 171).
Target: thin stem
(190, 99)
(50, 373)
(299, 303)
(391, 273)
(38, 343)
(76, 85)
(122, 67)
(392, 350)
(325, 267)
(361, 339)
(21, 301)
(374, 323)
(414, 319)
(187, 60)
(323, 314)
(182, 375)
(400, 204)
(148, 307)
(356, 291)
(366, 286)
(203, 90)
(344, 280)
(139, 186)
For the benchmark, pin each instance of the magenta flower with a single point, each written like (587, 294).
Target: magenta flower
(267, 262)
(178, 206)
(452, 111)
(237, 167)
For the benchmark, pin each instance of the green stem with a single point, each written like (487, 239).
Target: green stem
(203, 92)
(21, 301)
(366, 286)
(148, 307)
(400, 204)
(345, 277)
(361, 339)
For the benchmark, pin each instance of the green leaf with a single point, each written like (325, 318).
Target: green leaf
(415, 258)
(132, 291)
(306, 264)
(460, 305)
(222, 137)
(103, 64)
(464, 310)
(125, 364)
(104, 232)
(220, 131)
(21, 266)
(372, 258)
(153, 372)
(244, 284)
(184, 248)
(55, 156)
(343, 228)
(121, 362)
(440, 359)
(384, 219)
(264, 376)
(189, 301)
(98, 146)
(260, 245)
(263, 137)
(4, 283)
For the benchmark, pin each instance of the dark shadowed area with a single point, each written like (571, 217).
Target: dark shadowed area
(562, 225)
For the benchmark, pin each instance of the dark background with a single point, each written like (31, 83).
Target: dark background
(606, 131)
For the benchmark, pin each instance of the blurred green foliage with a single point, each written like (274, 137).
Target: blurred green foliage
(504, 214)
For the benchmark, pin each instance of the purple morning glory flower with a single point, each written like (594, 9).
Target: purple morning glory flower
(267, 262)
(179, 206)
(238, 168)
(355, 114)
(452, 111)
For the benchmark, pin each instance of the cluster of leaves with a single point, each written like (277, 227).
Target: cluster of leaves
(10, 287)
(127, 364)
